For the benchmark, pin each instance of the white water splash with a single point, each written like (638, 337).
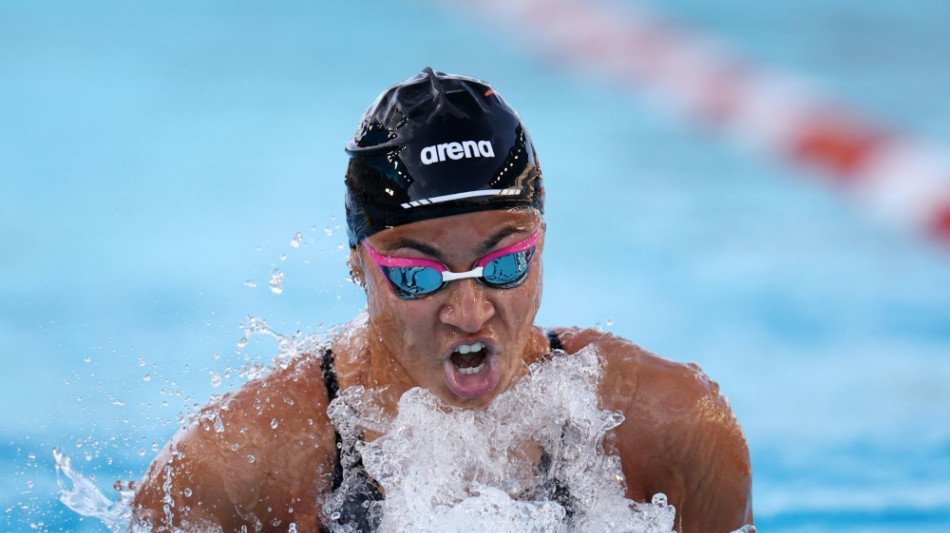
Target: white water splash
(84, 498)
(533, 460)
(450, 469)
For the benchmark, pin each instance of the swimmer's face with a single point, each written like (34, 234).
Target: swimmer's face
(467, 342)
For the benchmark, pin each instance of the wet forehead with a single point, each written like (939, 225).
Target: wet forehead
(468, 234)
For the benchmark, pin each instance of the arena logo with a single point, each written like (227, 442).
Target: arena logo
(455, 151)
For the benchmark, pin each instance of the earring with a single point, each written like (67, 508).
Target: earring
(357, 279)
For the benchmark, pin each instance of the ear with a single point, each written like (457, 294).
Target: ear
(357, 275)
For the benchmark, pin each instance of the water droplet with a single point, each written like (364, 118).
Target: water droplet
(215, 379)
(273, 423)
(610, 322)
(147, 377)
(328, 231)
(276, 278)
(296, 240)
(187, 492)
(251, 458)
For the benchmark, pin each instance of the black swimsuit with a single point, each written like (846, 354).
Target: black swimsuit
(363, 491)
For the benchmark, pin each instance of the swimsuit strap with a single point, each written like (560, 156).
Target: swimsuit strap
(333, 389)
(361, 489)
(562, 493)
(329, 374)
(554, 340)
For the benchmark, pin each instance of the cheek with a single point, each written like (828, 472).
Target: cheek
(375, 297)
(535, 286)
(520, 305)
(382, 306)
(397, 321)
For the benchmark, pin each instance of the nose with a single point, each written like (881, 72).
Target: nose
(467, 306)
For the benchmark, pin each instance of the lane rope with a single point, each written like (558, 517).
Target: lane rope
(898, 177)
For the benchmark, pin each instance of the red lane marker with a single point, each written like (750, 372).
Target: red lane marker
(898, 176)
(940, 225)
(842, 145)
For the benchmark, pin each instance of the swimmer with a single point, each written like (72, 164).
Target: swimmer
(444, 206)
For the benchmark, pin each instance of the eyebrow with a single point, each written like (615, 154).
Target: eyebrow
(484, 248)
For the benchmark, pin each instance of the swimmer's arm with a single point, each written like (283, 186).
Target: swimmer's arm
(232, 468)
(679, 437)
(183, 489)
(717, 470)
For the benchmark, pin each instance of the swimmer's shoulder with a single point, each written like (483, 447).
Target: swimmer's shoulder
(247, 454)
(667, 405)
(634, 377)
(679, 435)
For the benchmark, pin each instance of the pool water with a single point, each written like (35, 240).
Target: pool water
(170, 170)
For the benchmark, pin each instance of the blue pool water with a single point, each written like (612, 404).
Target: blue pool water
(158, 159)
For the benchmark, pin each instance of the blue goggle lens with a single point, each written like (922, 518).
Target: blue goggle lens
(413, 282)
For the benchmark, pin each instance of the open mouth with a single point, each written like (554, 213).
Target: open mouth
(472, 370)
(469, 359)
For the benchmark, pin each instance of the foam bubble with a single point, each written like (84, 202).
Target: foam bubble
(533, 460)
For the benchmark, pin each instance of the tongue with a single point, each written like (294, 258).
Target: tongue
(470, 386)
(468, 360)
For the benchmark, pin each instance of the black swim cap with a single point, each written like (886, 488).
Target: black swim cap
(437, 145)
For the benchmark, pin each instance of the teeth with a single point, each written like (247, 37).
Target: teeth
(469, 353)
(471, 370)
(469, 348)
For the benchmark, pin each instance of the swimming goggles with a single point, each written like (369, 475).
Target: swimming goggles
(412, 277)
